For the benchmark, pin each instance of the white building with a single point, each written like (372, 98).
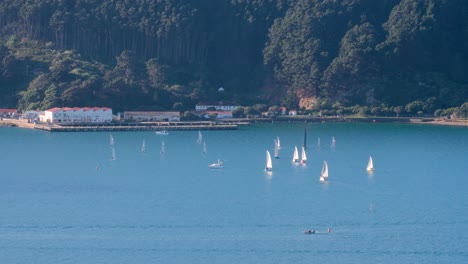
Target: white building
(219, 107)
(217, 114)
(152, 115)
(77, 115)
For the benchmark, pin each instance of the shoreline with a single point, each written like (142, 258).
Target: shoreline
(227, 124)
(394, 120)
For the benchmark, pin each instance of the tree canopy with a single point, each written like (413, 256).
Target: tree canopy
(172, 54)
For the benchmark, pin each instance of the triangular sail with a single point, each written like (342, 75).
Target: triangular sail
(200, 137)
(204, 147)
(111, 140)
(276, 152)
(318, 143)
(143, 146)
(303, 156)
(324, 173)
(269, 164)
(278, 142)
(333, 143)
(370, 164)
(296, 155)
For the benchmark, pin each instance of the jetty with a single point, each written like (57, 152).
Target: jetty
(126, 126)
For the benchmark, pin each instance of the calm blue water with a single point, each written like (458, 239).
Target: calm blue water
(57, 207)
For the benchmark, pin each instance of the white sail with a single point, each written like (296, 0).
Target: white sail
(324, 173)
(111, 140)
(276, 152)
(269, 164)
(333, 143)
(278, 142)
(370, 165)
(296, 155)
(200, 137)
(163, 148)
(204, 147)
(143, 146)
(318, 143)
(303, 156)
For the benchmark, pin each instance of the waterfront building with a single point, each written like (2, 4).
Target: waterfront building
(218, 107)
(152, 115)
(76, 115)
(217, 114)
(7, 112)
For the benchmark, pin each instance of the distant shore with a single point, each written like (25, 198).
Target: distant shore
(398, 120)
(227, 124)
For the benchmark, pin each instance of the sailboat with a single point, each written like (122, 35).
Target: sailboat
(113, 157)
(269, 164)
(305, 138)
(111, 140)
(324, 173)
(163, 148)
(204, 147)
(217, 165)
(277, 142)
(143, 146)
(276, 152)
(200, 137)
(295, 155)
(318, 143)
(303, 156)
(333, 143)
(370, 164)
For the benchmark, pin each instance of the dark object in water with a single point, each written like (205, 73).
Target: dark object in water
(309, 232)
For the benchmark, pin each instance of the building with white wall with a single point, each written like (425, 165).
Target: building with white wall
(218, 107)
(77, 115)
(152, 115)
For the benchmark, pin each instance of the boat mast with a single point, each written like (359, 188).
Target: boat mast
(305, 138)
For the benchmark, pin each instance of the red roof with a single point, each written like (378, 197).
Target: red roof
(7, 110)
(55, 109)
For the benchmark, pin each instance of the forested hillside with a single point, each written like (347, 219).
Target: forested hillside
(172, 54)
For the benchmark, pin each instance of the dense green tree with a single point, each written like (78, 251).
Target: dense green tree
(139, 54)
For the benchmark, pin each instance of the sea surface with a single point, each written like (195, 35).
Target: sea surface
(64, 200)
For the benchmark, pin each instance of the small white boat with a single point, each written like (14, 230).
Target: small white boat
(370, 165)
(303, 156)
(200, 137)
(269, 164)
(324, 173)
(162, 133)
(163, 148)
(217, 165)
(295, 155)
